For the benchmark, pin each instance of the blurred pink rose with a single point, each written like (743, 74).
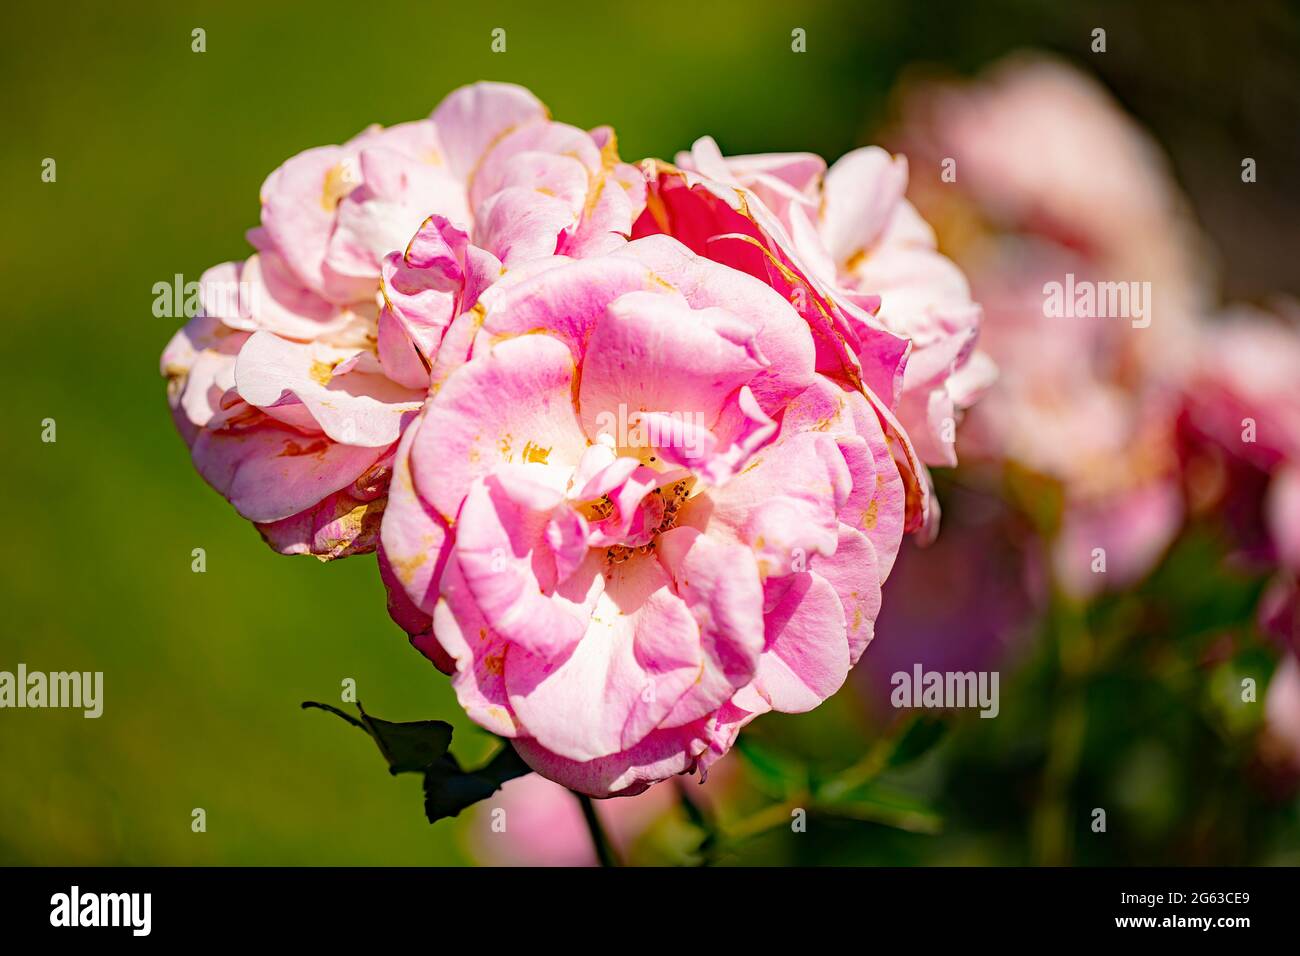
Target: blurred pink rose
(308, 360)
(1049, 179)
(1239, 434)
(634, 515)
(535, 822)
(1242, 392)
(539, 823)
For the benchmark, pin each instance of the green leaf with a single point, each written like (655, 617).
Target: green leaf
(421, 746)
(921, 735)
(448, 789)
(875, 804)
(776, 774)
(408, 747)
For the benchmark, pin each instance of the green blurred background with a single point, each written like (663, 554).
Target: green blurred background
(160, 152)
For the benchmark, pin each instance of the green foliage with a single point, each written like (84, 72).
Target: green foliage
(421, 746)
(448, 789)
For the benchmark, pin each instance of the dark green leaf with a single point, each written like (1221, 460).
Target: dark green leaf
(408, 747)
(448, 789)
(920, 736)
(421, 746)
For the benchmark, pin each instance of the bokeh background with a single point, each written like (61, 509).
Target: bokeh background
(160, 152)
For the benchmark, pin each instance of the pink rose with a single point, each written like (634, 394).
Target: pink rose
(535, 822)
(866, 244)
(1240, 436)
(544, 825)
(1241, 394)
(732, 226)
(637, 514)
(1049, 179)
(309, 359)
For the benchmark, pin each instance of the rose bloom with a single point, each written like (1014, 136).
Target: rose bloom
(851, 230)
(1052, 178)
(912, 358)
(293, 385)
(1239, 432)
(642, 511)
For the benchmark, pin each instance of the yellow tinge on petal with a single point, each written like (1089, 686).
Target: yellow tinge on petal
(339, 181)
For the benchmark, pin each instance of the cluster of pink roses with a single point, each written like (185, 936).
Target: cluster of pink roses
(1239, 442)
(1193, 417)
(447, 317)
(1052, 178)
